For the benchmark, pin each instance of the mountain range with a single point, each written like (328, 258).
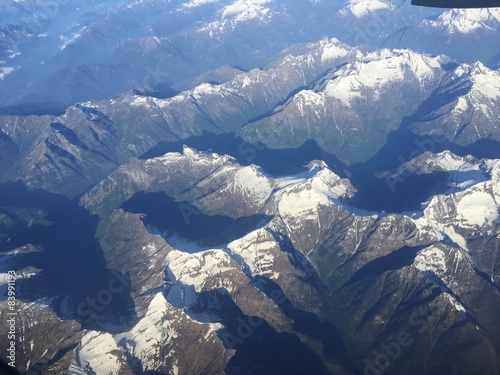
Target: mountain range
(250, 187)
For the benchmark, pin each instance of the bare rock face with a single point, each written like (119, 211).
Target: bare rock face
(317, 275)
(43, 341)
(323, 91)
(471, 91)
(203, 180)
(164, 340)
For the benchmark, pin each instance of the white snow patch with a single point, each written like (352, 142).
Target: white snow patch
(332, 50)
(462, 104)
(96, 351)
(457, 305)
(253, 184)
(303, 199)
(486, 81)
(68, 40)
(246, 80)
(466, 20)
(380, 69)
(431, 259)
(4, 71)
(197, 269)
(450, 231)
(495, 181)
(345, 89)
(244, 10)
(5, 278)
(361, 8)
(183, 245)
(197, 3)
(477, 208)
(205, 89)
(13, 54)
(448, 161)
(256, 249)
(150, 331)
(423, 225)
(312, 98)
(309, 100)
(139, 101)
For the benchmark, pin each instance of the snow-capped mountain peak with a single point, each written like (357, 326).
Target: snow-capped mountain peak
(361, 8)
(467, 20)
(379, 69)
(204, 271)
(245, 10)
(486, 82)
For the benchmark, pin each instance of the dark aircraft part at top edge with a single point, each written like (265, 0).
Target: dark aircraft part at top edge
(457, 3)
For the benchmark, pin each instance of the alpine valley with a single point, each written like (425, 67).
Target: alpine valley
(249, 187)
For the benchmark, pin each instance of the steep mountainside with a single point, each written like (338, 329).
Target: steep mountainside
(346, 100)
(249, 187)
(318, 277)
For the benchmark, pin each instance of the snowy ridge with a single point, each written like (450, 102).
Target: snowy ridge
(206, 270)
(484, 92)
(360, 8)
(486, 83)
(197, 3)
(153, 329)
(292, 69)
(452, 216)
(152, 340)
(100, 352)
(466, 20)
(234, 14)
(197, 159)
(463, 172)
(460, 209)
(245, 10)
(467, 209)
(217, 178)
(447, 161)
(474, 114)
(495, 177)
(251, 183)
(308, 99)
(338, 108)
(379, 69)
(332, 49)
(301, 200)
(304, 206)
(434, 261)
(257, 249)
(203, 179)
